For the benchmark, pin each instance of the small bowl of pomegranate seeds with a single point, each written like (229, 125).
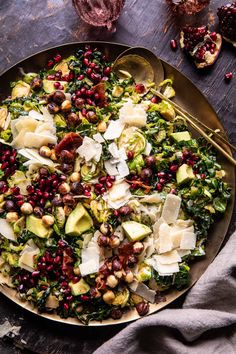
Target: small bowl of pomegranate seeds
(106, 197)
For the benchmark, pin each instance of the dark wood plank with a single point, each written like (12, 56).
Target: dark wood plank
(30, 26)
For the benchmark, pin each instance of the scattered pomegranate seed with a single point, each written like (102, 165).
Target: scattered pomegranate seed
(173, 44)
(228, 76)
(130, 155)
(50, 63)
(116, 213)
(56, 85)
(66, 306)
(57, 58)
(213, 36)
(159, 187)
(139, 88)
(81, 77)
(107, 71)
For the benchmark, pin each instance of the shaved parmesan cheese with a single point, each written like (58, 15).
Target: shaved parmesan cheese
(38, 140)
(123, 169)
(90, 150)
(7, 121)
(90, 267)
(36, 115)
(110, 168)
(133, 114)
(167, 269)
(183, 253)
(6, 230)
(152, 198)
(118, 195)
(171, 208)
(188, 240)
(33, 155)
(165, 241)
(157, 225)
(168, 257)
(114, 130)
(148, 149)
(113, 149)
(99, 138)
(26, 260)
(176, 238)
(143, 290)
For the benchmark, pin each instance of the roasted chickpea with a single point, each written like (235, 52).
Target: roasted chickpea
(102, 127)
(48, 220)
(53, 108)
(106, 229)
(108, 297)
(58, 97)
(26, 208)
(36, 84)
(45, 151)
(12, 216)
(112, 281)
(75, 177)
(66, 106)
(64, 188)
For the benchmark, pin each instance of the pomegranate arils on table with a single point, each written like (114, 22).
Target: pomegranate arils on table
(227, 22)
(201, 44)
(173, 44)
(228, 76)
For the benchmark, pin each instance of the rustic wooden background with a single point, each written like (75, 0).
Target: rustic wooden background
(28, 26)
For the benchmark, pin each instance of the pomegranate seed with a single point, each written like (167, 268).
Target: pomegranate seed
(84, 298)
(50, 268)
(90, 93)
(173, 44)
(162, 180)
(50, 63)
(213, 36)
(97, 68)
(161, 174)
(64, 284)
(96, 96)
(15, 190)
(116, 213)
(130, 155)
(12, 159)
(109, 184)
(202, 175)
(98, 186)
(4, 165)
(154, 99)
(66, 306)
(69, 298)
(81, 77)
(61, 87)
(89, 71)
(111, 178)
(36, 273)
(51, 77)
(84, 111)
(173, 191)
(75, 280)
(228, 76)
(92, 65)
(87, 54)
(56, 85)
(86, 62)
(57, 58)
(87, 193)
(102, 179)
(134, 186)
(62, 243)
(139, 88)
(90, 102)
(103, 190)
(20, 203)
(18, 197)
(107, 70)
(159, 187)
(174, 168)
(95, 77)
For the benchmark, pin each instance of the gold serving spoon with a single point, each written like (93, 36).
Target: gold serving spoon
(141, 64)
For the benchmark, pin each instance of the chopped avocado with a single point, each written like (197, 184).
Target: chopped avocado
(117, 91)
(78, 221)
(184, 174)
(36, 226)
(181, 136)
(63, 66)
(21, 89)
(48, 85)
(79, 288)
(135, 231)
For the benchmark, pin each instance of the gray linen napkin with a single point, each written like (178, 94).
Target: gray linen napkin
(205, 324)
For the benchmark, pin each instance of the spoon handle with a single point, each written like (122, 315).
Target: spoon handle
(187, 116)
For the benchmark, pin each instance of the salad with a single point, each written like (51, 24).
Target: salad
(105, 195)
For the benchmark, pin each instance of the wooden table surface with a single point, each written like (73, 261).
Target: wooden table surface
(28, 26)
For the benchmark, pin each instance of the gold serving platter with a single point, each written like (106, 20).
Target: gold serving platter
(192, 100)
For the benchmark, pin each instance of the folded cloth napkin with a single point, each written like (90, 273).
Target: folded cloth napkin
(205, 324)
